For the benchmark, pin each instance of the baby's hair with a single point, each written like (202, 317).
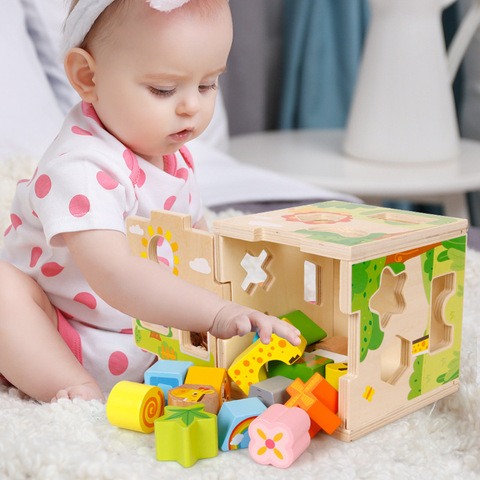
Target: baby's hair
(114, 13)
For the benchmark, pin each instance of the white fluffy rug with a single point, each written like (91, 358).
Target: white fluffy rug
(73, 440)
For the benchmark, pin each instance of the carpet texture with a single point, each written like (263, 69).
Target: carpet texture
(73, 439)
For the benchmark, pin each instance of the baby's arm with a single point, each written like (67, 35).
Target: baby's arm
(149, 291)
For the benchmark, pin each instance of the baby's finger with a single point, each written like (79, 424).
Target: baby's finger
(243, 325)
(287, 331)
(263, 325)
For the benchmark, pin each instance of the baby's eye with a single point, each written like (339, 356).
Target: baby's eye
(206, 88)
(162, 92)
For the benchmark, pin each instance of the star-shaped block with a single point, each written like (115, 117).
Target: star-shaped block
(319, 399)
(186, 434)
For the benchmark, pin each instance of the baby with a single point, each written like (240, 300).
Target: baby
(147, 74)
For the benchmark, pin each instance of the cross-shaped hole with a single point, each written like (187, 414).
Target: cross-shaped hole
(257, 273)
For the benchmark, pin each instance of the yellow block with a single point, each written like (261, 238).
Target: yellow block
(333, 372)
(135, 406)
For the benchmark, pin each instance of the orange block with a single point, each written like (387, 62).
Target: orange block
(319, 399)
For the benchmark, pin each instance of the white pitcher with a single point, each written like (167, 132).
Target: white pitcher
(403, 107)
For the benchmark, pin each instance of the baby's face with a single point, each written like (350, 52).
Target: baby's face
(156, 77)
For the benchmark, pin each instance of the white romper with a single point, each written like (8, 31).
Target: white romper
(89, 180)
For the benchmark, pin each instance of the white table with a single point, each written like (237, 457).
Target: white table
(315, 156)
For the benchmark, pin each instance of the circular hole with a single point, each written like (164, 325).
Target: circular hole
(160, 251)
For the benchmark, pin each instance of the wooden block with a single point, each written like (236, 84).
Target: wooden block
(249, 367)
(319, 399)
(135, 406)
(167, 374)
(279, 436)
(233, 421)
(272, 390)
(308, 328)
(186, 434)
(216, 377)
(190, 394)
(333, 372)
(304, 368)
(336, 344)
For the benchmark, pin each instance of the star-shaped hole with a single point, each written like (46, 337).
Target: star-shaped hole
(257, 272)
(388, 300)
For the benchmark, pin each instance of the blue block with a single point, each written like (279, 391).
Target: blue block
(233, 421)
(167, 374)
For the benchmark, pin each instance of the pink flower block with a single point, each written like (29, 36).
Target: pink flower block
(279, 435)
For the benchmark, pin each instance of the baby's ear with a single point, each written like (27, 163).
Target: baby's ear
(80, 70)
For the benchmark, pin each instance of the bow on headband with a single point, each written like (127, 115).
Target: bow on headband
(83, 16)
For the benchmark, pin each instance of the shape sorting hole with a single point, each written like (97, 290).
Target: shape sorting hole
(399, 217)
(441, 333)
(312, 283)
(394, 360)
(257, 273)
(195, 344)
(162, 250)
(388, 300)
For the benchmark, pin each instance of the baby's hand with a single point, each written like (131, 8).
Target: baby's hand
(233, 319)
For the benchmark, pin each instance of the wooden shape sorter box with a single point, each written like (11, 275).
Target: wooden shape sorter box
(389, 281)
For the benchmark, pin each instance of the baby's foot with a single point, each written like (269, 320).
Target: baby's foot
(85, 391)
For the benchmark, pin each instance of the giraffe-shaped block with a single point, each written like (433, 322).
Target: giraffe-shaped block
(249, 367)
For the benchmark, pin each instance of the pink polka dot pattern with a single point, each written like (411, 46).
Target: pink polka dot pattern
(80, 131)
(130, 159)
(86, 299)
(169, 203)
(16, 220)
(117, 363)
(43, 186)
(51, 269)
(7, 231)
(187, 156)
(132, 165)
(170, 164)
(34, 256)
(141, 178)
(106, 181)
(79, 206)
(182, 173)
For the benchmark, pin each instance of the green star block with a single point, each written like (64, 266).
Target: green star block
(186, 434)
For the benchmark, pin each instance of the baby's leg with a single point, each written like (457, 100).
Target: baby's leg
(33, 355)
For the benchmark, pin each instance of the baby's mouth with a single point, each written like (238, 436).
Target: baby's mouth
(182, 135)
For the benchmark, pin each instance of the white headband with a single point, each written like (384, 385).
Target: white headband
(83, 16)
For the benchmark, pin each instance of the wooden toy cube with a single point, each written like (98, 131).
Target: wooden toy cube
(216, 377)
(233, 421)
(189, 394)
(389, 281)
(167, 374)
